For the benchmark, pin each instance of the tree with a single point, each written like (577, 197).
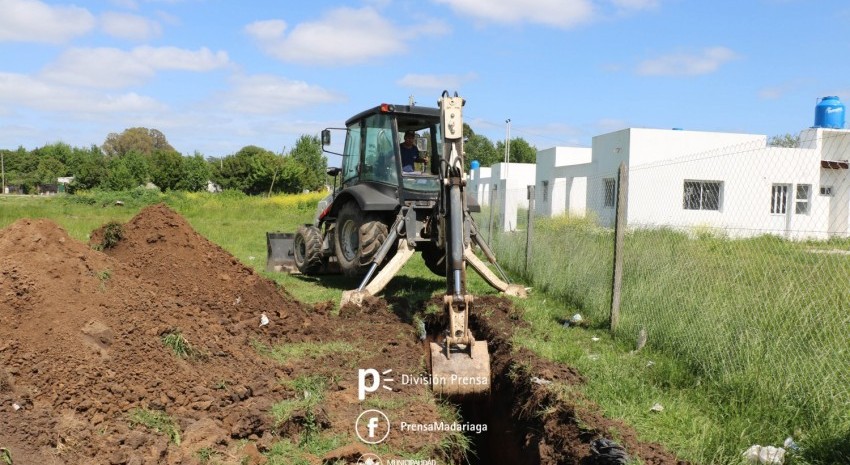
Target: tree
(48, 170)
(786, 140)
(521, 151)
(142, 140)
(478, 147)
(290, 176)
(467, 131)
(308, 153)
(88, 168)
(196, 173)
(118, 176)
(59, 151)
(138, 167)
(166, 169)
(250, 170)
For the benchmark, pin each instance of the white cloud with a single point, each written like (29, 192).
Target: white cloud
(558, 13)
(636, 4)
(35, 21)
(128, 4)
(115, 68)
(25, 91)
(436, 81)
(267, 94)
(341, 37)
(130, 27)
(706, 61)
(606, 125)
(782, 89)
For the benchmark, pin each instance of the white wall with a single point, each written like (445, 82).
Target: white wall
(640, 146)
(512, 180)
(747, 173)
(553, 174)
(478, 185)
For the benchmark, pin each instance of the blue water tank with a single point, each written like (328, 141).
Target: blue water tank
(829, 113)
(474, 164)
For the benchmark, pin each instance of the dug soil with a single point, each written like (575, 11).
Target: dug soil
(88, 356)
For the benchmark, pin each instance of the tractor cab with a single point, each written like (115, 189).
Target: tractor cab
(373, 150)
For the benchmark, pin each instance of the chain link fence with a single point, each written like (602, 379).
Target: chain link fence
(735, 261)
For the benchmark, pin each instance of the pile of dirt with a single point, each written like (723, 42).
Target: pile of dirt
(82, 350)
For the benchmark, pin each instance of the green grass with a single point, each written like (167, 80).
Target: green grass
(286, 452)
(157, 421)
(206, 454)
(113, 232)
(747, 336)
(309, 393)
(284, 353)
(177, 342)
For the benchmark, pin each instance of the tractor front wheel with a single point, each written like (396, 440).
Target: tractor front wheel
(307, 250)
(358, 237)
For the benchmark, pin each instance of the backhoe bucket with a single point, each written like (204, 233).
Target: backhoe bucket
(464, 373)
(279, 255)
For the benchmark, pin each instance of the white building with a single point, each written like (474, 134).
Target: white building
(561, 176)
(478, 185)
(688, 179)
(507, 185)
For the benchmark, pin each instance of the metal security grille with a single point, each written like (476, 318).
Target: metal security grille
(779, 198)
(702, 195)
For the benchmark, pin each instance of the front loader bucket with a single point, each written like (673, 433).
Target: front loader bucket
(279, 252)
(463, 373)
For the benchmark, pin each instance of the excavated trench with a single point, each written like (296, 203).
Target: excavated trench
(504, 441)
(528, 421)
(513, 435)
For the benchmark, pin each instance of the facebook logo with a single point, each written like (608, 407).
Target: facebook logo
(372, 426)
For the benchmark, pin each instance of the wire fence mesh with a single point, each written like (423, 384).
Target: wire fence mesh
(736, 261)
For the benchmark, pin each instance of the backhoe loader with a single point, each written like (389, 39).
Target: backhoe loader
(381, 212)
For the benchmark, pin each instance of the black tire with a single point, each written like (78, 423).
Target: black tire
(435, 259)
(307, 250)
(358, 237)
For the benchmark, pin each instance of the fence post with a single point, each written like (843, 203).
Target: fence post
(619, 241)
(529, 227)
(492, 207)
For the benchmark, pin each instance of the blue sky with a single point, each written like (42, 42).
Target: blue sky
(216, 75)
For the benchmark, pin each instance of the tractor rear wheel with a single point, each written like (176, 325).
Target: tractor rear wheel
(358, 237)
(307, 250)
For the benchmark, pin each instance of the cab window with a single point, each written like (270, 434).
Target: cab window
(351, 154)
(379, 158)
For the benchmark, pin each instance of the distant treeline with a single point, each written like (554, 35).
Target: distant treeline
(139, 156)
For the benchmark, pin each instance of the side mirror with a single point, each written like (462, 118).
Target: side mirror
(333, 171)
(326, 137)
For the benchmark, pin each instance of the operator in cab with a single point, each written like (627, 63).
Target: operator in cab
(410, 153)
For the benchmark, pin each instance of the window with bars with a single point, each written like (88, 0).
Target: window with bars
(779, 199)
(610, 186)
(702, 195)
(545, 187)
(802, 202)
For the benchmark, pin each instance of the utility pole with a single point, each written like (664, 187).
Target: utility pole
(3, 169)
(507, 145)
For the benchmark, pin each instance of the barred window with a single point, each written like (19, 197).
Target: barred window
(779, 199)
(702, 195)
(545, 188)
(610, 186)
